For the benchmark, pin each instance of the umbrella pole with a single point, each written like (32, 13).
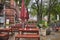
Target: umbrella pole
(23, 24)
(26, 23)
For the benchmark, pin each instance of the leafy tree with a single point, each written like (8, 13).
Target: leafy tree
(57, 9)
(20, 1)
(38, 8)
(34, 9)
(52, 4)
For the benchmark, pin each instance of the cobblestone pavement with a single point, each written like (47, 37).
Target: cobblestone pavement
(52, 36)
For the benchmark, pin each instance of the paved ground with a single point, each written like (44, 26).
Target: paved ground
(53, 36)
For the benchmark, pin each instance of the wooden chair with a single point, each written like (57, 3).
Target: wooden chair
(4, 36)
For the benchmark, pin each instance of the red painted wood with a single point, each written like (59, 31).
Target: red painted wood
(27, 36)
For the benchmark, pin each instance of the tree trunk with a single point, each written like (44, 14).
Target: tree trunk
(49, 10)
(48, 17)
(38, 16)
(55, 16)
(39, 11)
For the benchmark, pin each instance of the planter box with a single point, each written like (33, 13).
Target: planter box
(43, 32)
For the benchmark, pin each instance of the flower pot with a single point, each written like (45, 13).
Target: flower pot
(43, 32)
(48, 31)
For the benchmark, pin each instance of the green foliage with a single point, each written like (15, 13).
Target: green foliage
(20, 1)
(27, 2)
(57, 8)
(42, 23)
(53, 10)
(34, 10)
(33, 6)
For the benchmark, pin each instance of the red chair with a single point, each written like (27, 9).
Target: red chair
(4, 36)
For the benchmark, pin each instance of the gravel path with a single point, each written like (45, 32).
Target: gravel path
(53, 36)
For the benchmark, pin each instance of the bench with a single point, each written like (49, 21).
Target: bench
(18, 36)
(4, 36)
(29, 30)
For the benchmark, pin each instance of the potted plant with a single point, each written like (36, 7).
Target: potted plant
(44, 27)
(40, 24)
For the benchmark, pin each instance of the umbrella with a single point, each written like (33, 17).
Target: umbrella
(24, 12)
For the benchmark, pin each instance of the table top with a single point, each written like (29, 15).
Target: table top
(5, 29)
(2, 35)
(28, 29)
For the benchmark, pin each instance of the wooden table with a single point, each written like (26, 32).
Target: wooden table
(5, 29)
(31, 30)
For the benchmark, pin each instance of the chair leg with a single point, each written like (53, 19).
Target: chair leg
(17, 38)
(7, 38)
(38, 38)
